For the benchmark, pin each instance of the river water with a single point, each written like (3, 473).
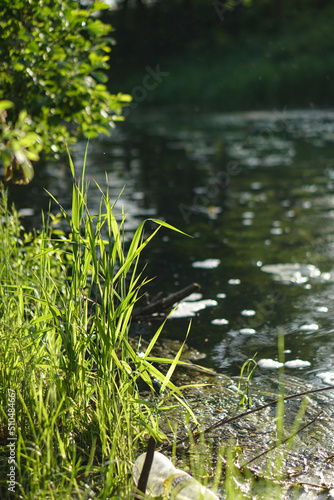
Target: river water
(255, 192)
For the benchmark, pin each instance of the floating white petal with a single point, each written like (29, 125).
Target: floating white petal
(247, 331)
(187, 309)
(194, 296)
(234, 281)
(297, 363)
(206, 264)
(248, 312)
(221, 321)
(269, 364)
(322, 309)
(310, 327)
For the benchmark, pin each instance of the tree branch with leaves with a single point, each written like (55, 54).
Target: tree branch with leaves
(53, 57)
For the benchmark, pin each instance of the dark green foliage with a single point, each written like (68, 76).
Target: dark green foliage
(52, 60)
(229, 55)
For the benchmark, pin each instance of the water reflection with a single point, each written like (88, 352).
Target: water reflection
(256, 193)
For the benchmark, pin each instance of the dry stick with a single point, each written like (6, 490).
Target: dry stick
(282, 442)
(227, 420)
(312, 485)
(164, 304)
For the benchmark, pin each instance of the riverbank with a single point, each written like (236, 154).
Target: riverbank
(74, 417)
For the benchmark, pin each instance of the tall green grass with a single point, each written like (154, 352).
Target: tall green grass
(66, 299)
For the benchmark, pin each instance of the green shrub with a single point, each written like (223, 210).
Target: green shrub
(52, 61)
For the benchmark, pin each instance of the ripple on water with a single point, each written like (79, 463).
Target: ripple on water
(292, 273)
(327, 377)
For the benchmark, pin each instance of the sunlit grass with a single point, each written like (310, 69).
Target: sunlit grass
(66, 300)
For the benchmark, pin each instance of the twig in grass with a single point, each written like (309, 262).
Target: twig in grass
(311, 485)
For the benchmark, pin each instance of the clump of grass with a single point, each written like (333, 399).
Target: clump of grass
(66, 300)
(246, 399)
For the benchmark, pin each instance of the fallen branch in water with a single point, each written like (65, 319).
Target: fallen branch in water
(164, 305)
(284, 440)
(227, 420)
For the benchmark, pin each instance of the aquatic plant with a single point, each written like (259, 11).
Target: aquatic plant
(250, 364)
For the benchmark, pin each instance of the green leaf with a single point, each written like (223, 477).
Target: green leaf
(18, 67)
(22, 116)
(100, 6)
(173, 365)
(100, 76)
(168, 226)
(98, 28)
(29, 139)
(124, 97)
(5, 105)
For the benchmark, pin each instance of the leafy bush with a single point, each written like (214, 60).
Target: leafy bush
(52, 61)
(19, 146)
